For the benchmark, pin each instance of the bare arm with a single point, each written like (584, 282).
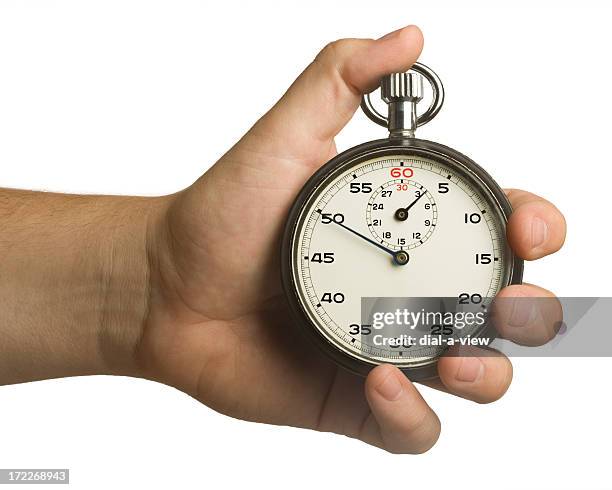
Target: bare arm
(73, 283)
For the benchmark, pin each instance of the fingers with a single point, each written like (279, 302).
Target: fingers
(536, 228)
(325, 96)
(478, 375)
(400, 421)
(524, 314)
(527, 314)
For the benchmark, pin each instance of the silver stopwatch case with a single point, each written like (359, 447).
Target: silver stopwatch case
(402, 92)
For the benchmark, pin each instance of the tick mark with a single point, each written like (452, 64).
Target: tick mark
(448, 177)
(352, 340)
(401, 164)
(354, 176)
(483, 211)
(319, 305)
(306, 258)
(496, 259)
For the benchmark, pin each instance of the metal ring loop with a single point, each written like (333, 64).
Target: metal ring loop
(428, 115)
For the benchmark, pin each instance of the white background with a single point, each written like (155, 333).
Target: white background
(141, 97)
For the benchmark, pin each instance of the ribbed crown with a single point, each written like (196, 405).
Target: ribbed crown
(402, 86)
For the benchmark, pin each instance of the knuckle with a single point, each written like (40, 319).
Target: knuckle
(331, 63)
(416, 438)
(333, 50)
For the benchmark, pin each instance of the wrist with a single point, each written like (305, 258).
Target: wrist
(129, 268)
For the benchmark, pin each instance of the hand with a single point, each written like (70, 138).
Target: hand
(217, 325)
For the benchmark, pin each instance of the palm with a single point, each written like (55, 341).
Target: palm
(225, 230)
(224, 235)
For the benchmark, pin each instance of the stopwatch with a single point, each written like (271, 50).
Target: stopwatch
(395, 221)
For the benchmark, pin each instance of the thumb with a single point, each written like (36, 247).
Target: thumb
(303, 123)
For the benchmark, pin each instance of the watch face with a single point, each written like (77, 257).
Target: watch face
(388, 226)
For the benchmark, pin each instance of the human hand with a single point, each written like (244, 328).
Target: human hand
(217, 325)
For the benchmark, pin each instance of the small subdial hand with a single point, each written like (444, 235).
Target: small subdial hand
(402, 213)
(400, 258)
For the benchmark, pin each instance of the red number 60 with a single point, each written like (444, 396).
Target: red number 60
(405, 172)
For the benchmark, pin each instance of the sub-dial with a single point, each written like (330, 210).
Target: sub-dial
(401, 214)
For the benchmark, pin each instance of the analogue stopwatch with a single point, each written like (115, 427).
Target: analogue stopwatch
(386, 223)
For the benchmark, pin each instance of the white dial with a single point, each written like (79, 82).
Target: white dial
(401, 213)
(388, 227)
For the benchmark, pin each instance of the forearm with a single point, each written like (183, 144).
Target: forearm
(73, 283)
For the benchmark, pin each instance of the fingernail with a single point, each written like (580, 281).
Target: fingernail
(390, 388)
(521, 311)
(470, 370)
(560, 328)
(539, 232)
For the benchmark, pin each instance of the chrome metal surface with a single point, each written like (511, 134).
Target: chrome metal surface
(402, 92)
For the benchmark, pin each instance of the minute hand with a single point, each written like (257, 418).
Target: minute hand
(391, 252)
(407, 208)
